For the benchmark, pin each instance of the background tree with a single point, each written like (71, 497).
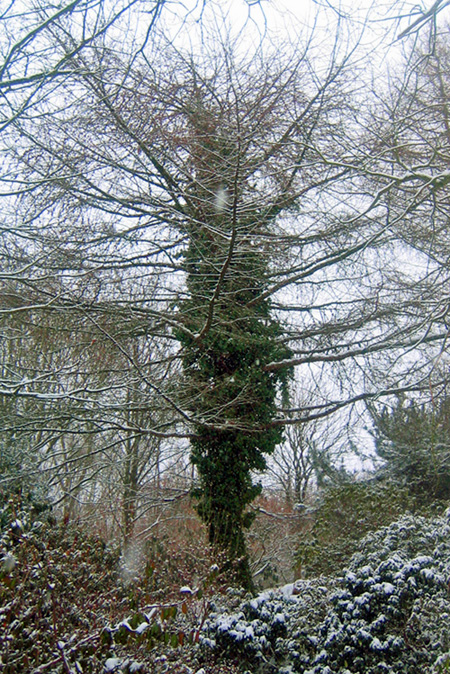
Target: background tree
(409, 137)
(413, 439)
(310, 457)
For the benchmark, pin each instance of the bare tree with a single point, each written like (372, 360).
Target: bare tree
(40, 40)
(235, 208)
(420, 17)
(309, 457)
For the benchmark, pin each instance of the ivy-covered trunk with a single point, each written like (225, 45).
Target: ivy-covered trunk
(231, 337)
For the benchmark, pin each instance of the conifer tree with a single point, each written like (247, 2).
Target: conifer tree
(413, 439)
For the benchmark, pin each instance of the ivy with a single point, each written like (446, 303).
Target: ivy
(230, 340)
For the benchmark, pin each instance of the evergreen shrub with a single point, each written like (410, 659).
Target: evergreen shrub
(389, 612)
(344, 516)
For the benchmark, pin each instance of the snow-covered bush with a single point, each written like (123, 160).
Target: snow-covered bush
(393, 611)
(389, 613)
(57, 591)
(64, 598)
(273, 630)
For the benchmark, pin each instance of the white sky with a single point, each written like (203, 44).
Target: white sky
(283, 20)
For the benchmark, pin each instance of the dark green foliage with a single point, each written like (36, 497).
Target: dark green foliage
(226, 384)
(346, 514)
(392, 613)
(269, 633)
(389, 613)
(58, 586)
(64, 595)
(414, 441)
(236, 399)
(228, 369)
